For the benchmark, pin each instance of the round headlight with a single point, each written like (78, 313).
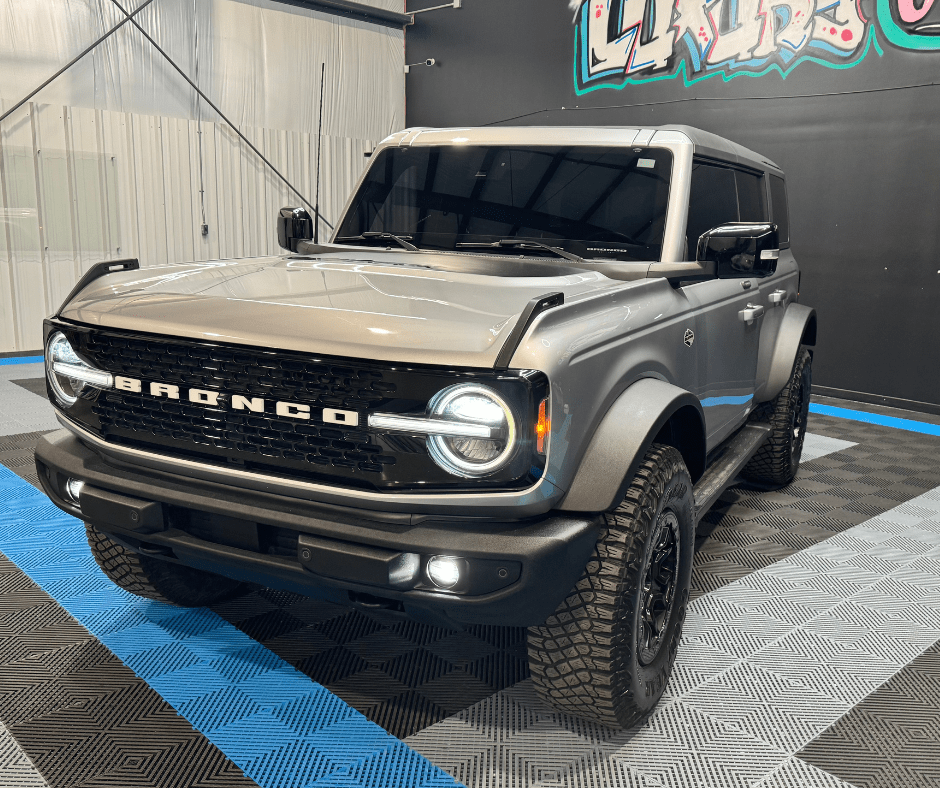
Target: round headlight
(67, 374)
(66, 390)
(472, 456)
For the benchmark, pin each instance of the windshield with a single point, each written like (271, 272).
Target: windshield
(597, 202)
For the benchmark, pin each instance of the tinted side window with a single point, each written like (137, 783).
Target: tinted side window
(713, 200)
(778, 199)
(751, 199)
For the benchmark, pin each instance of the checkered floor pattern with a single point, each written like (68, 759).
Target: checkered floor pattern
(810, 657)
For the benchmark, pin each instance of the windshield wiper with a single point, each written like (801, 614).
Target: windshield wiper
(401, 240)
(522, 243)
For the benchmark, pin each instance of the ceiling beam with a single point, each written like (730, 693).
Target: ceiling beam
(360, 11)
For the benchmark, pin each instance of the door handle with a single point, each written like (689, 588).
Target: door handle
(751, 313)
(777, 297)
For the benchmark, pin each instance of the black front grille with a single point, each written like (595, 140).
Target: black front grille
(253, 435)
(265, 441)
(259, 436)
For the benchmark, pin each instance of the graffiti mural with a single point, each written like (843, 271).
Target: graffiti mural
(619, 42)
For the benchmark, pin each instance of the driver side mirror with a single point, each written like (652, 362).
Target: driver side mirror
(293, 225)
(740, 249)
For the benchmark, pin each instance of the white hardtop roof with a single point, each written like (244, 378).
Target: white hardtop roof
(704, 143)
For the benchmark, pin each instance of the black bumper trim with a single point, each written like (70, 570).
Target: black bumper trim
(552, 550)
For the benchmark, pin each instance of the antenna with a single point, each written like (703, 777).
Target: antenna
(316, 219)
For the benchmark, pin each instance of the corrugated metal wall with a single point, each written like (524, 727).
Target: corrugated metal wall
(92, 173)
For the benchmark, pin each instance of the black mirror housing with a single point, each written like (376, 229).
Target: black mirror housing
(740, 249)
(293, 225)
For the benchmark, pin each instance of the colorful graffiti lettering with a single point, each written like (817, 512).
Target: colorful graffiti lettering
(621, 42)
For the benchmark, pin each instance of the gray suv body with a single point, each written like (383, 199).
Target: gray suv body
(505, 391)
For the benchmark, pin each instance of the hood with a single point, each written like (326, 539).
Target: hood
(393, 309)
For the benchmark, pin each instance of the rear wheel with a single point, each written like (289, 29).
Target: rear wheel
(153, 578)
(778, 460)
(607, 652)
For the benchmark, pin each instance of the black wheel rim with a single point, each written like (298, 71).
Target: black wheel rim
(798, 418)
(658, 592)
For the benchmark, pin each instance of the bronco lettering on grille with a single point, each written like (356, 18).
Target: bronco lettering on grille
(219, 399)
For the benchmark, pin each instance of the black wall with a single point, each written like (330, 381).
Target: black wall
(862, 162)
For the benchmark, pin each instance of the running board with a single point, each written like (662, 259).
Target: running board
(731, 458)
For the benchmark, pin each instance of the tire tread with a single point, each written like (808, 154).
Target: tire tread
(576, 658)
(155, 579)
(775, 463)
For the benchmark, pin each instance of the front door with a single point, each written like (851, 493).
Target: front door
(727, 332)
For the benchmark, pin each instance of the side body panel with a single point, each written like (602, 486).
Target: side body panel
(727, 365)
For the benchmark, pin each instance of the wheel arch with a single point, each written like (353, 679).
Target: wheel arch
(798, 328)
(649, 411)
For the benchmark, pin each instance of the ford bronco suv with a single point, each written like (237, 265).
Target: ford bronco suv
(505, 391)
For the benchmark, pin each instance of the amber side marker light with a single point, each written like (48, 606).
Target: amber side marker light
(542, 426)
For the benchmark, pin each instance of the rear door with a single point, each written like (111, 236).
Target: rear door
(727, 346)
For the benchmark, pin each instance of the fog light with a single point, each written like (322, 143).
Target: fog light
(403, 571)
(73, 488)
(444, 570)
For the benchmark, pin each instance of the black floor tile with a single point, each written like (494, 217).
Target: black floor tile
(81, 715)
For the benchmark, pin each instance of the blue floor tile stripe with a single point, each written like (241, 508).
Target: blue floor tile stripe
(876, 418)
(21, 360)
(282, 729)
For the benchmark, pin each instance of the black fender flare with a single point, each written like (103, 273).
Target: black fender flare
(647, 410)
(797, 328)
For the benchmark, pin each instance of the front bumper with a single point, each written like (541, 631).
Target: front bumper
(519, 571)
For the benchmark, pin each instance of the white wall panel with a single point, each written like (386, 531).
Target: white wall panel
(8, 315)
(21, 200)
(57, 217)
(105, 163)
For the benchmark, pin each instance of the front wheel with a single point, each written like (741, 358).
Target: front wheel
(607, 652)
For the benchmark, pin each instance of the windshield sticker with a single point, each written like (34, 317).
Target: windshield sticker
(629, 42)
(646, 163)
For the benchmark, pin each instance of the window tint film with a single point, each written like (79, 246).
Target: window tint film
(781, 216)
(595, 202)
(713, 200)
(751, 200)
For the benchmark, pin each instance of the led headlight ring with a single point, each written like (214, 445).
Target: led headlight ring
(470, 403)
(69, 375)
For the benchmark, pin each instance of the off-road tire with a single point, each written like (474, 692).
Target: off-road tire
(153, 578)
(777, 461)
(585, 659)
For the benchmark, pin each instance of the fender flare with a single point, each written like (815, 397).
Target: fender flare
(797, 328)
(638, 416)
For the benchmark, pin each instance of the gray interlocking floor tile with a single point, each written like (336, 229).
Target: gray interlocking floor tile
(892, 738)
(23, 411)
(796, 773)
(16, 769)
